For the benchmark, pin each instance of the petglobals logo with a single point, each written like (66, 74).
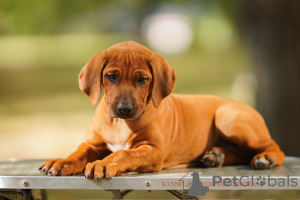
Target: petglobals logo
(195, 187)
(254, 182)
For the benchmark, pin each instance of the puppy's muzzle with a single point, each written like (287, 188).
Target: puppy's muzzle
(124, 109)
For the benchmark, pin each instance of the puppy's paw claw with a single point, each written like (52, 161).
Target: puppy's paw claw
(50, 173)
(212, 159)
(262, 161)
(107, 176)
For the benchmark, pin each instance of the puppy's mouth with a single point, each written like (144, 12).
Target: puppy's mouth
(124, 116)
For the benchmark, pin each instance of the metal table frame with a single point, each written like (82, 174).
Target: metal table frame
(19, 176)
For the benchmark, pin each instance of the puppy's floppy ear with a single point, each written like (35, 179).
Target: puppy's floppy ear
(164, 78)
(90, 79)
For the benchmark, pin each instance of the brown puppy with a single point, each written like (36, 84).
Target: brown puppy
(140, 126)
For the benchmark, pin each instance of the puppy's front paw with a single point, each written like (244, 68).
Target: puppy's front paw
(58, 167)
(99, 169)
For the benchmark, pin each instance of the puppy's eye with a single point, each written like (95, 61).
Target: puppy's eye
(112, 78)
(142, 80)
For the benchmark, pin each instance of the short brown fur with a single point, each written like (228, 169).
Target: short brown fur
(163, 129)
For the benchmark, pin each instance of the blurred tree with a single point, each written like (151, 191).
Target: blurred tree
(272, 29)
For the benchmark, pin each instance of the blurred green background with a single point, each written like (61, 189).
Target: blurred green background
(44, 44)
(228, 49)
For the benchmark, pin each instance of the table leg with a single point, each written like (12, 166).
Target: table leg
(178, 195)
(118, 194)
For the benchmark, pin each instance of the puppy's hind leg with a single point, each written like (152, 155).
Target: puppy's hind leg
(245, 128)
(268, 157)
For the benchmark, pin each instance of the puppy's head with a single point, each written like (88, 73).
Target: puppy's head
(131, 76)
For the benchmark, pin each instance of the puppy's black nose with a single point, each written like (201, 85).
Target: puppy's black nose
(124, 108)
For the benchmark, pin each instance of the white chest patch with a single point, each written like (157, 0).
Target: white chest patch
(118, 146)
(116, 132)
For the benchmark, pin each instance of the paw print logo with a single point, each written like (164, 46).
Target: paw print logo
(261, 181)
